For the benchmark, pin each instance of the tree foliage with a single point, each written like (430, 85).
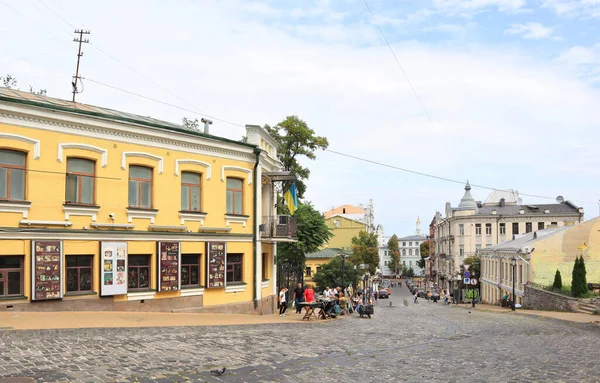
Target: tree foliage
(312, 233)
(408, 272)
(557, 285)
(9, 81)
(191, 124)
(296, 140)
(366, 250)
(330, 274)
(475, 267)
(579, 283)
(424, 249)
(394, 252)
(421, 263)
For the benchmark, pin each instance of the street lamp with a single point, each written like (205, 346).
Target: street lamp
(343, 270)
(514, 266)
(355, 277)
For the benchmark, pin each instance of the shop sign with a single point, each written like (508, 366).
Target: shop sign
(169, 266)
(46, 263)
(215, 264)
(113, 266)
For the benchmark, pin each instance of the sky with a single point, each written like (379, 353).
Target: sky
(505, 93)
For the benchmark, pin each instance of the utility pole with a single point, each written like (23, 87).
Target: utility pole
(79, 40)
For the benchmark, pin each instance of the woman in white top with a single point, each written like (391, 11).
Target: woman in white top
(282, 302)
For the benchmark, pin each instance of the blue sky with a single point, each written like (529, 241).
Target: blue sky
(511, 86)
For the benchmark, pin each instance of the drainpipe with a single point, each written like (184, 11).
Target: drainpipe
(257, 152)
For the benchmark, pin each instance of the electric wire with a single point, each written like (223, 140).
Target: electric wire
(67, 13)
(35, 23)
(399, 64)
(42, 12)
(57, 15)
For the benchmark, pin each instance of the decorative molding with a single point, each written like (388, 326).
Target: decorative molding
(144, 214)
(112, 226)
(23, 208)
(123, 235)
(90, 148)
(236, 219)
(142, 155)
(194, 162)
(140, 295)
(198, 217)
(236, 168)
(235, 288)
(44, 223)
(36, 143)
(191, 292)
(81, 211)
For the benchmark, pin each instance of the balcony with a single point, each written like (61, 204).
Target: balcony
(279, 226)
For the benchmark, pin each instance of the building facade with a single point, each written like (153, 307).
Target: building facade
(410, 253)
(314, 261)
(537, 256)
(105, 210)
(343, 230)
(464, 230)
(385, 262)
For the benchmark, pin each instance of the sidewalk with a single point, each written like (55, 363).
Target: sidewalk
(566, 316)
(22, 320)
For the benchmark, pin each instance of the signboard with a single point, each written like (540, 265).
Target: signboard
(467, 267)
(473, 281)
(466, 274)
(46, 263)
(216, 261)
(113, 268)
(169, 266)
(467, 281)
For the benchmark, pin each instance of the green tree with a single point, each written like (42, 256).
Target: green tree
(408, 272)
(366, 250)
(557, 285)
(394, 252)
(579, 280)
(475, 266)
(424, 249)
(8, 81)
(190, 124)
(330, 274)
(312, 233)
(296, 140)
(421, 263)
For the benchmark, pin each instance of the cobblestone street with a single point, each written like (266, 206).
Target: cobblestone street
(423, 342)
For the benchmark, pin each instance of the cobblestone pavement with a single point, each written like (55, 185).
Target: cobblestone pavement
(423, 342)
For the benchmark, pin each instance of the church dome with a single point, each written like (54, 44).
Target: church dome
(467, 202)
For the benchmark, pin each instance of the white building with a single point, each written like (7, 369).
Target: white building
(410, 250)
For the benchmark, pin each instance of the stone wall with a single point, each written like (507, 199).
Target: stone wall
(538, 299)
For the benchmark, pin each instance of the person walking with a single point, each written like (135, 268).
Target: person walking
(282, 301)
(298, 298)
(309, 294)
(415, 298)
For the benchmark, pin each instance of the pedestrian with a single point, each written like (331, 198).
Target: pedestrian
(282, 301)
(309, 294)
(415, 297)
(298, 298)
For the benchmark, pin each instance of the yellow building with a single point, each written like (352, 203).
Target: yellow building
(537, 256)
(344, 209)
(100, 203)
(343, 230)
(314, 261)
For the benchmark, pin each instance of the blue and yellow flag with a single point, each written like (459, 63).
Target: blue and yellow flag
(291, 199)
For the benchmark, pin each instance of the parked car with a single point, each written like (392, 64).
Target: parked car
(421, 293)
(383, 294)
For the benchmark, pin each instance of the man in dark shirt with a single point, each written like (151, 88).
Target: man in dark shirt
(298, 297)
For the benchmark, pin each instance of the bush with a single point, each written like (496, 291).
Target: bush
(557, 285)
(579, 283)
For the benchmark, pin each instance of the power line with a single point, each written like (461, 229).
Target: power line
(57, 15)
(399, 64)
(35, 23)
(164, 103)
(66, 12)
(79, 40)
(34, 56)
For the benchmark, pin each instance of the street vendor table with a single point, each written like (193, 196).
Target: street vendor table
(310, 309)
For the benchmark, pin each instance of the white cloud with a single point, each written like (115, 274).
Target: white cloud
(475, 5)
(574, 8)
(583, 61)
(451, 28)
(496, 111)
(530, 30)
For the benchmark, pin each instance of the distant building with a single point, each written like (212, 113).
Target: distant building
(314, 262)
(410, 250)
(464, 230)
(343, 229)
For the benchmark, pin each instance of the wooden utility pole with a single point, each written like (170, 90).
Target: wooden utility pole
(79, 40)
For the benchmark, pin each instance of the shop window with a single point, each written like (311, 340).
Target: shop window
(235, 194)
(12, 175)
(139, 272)
(308, 272)
(265, 266)
(234, 268)
(140, 187)
(190, 270)
(79, 273)
(80, 181)
(190, 191)
(11, 276)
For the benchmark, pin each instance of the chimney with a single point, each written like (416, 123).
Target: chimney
(502, 202)
(207, 123)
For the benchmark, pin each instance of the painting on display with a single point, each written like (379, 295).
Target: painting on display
(113, 268)
(169, 266)
(215, 264)
(46, 263)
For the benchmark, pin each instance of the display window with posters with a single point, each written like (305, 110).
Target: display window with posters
(46, 266)
(113, 268)
(169, 266)
(216, 259)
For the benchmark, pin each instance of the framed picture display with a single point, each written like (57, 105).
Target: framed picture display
(169, 266)
(216, 264)
(46, 266)
(113, 268)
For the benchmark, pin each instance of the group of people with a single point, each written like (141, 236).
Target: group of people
(336, 300)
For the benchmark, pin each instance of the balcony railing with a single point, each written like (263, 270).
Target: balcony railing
(279, 226)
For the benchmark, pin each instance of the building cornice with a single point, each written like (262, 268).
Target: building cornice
(95, 127)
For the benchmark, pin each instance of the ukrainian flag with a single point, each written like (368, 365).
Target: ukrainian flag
(291, 199)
